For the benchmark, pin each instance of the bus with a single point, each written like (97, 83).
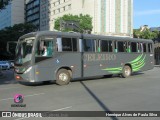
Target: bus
(65, 56)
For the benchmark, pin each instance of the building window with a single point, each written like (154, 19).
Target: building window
(69, 6)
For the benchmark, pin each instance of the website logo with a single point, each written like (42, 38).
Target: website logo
(18, 98)
(6, 114)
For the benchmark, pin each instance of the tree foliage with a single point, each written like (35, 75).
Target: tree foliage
(13, 33)
(146, 34)
(3, 3)
(85, 22)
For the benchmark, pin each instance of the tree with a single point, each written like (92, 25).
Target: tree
(13, 33)
(84, 21)
(146, 34)
(3, 3)
(136, 33)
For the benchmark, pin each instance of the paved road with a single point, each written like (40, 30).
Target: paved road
(140, 92)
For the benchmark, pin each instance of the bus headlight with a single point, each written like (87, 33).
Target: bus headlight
(28, 70)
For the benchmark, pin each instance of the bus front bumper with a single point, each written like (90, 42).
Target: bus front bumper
(22, 78)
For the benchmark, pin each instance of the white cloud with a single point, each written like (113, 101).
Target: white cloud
(147, 12)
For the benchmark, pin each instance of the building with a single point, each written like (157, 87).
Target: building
(156, 42)
(156, 46)
(110, 17)
(155, 29)
(12, 14)
(32, 12)
(144, 28)
(157, 52)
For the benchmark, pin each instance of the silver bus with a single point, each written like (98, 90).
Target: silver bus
(63, 56)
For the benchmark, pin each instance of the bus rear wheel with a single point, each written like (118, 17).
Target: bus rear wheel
(126, 71)
(63, 77)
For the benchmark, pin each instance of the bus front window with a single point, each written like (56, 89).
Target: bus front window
(24, 51)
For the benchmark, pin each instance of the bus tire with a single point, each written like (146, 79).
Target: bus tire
(126, 72)
(63, 77)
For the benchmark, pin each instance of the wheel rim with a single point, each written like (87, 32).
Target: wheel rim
(127, 71)
(63, 77)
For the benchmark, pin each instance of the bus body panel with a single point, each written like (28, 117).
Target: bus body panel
(85, 64)
(104, 64)
(26, 76)
(47, 69)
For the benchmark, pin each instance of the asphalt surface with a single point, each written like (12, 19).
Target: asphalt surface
(140, 92)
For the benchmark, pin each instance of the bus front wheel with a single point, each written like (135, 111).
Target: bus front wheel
(63, 77)
(126, 71)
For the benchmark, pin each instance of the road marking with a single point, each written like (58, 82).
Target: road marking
(24, 96)
(62, 108)
(51, 110)
(9, 88)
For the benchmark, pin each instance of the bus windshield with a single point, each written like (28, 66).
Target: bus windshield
(24, 50)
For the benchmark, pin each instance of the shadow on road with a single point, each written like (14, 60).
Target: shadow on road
(37, 83)
(98, 100)
(7, 77)
(51, 82)
(137, 73)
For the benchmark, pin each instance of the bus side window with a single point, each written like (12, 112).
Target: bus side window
(115, 46)
(129, 47)
(69, 44)
(121, 47)
(125, 46)
(133, 47)
(104, 46)
(89, 45)
(58, 46)
(98, 44)
(144, 48)
(45, 47)
(150, 49)
(110, 45)
(139, 47)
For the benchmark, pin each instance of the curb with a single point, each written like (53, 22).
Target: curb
(156, 65)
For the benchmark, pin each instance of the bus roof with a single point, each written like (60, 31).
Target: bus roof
(85, 36)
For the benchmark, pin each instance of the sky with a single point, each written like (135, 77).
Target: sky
(146, 12)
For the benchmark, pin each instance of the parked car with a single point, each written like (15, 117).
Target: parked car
(11, 62)
(5, 65)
